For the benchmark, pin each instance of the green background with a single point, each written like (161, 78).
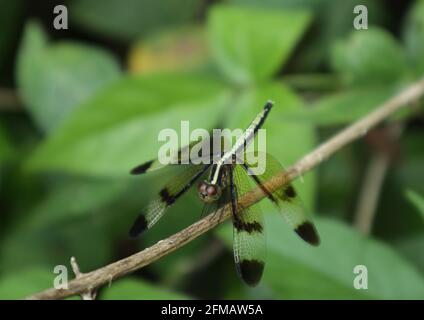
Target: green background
(80, 107)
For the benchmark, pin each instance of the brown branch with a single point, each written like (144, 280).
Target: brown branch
(374, 178)
(122, 267)
(9, 100)
(370, 192)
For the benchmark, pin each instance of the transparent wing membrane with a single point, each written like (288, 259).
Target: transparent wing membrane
(248, 229)
(172, 190)
(286, 198)
(197, 152)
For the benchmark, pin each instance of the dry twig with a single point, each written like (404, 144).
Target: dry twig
(373, 181)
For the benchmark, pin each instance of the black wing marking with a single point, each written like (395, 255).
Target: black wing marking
(248, 230)
(167, 196)
(184, 156)
(286, 199)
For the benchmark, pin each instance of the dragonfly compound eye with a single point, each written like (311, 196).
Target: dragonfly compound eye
(201, 188)
(208, 192)
(212, 190)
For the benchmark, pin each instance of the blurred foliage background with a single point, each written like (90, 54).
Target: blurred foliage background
(80, 107)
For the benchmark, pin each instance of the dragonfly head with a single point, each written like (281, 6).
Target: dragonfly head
(208, 192)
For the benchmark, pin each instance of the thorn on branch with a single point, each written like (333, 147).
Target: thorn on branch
(91, 293)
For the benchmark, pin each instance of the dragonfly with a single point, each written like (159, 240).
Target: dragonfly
(222, 181)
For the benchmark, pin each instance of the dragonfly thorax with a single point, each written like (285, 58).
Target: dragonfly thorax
(208, 192)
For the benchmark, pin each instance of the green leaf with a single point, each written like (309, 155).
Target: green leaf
(54, 79)
(129, 19)
(278, 4)
(18, 285)
(417, 200)
(34, 38)
(413, 35)
(343, 107)
(295, 270)
(71, 220)
(286, 140)
(412, 248)
(134, 289)
(359, 58)
(88, 195)
(172, 269)
(250, 44)
(52, 245)
(332, 20)
(118, 129)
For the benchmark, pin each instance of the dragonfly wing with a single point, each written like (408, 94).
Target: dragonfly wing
(166, 197)
(148, 166)
(197, 152)
(248, 228)
(286, 199)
